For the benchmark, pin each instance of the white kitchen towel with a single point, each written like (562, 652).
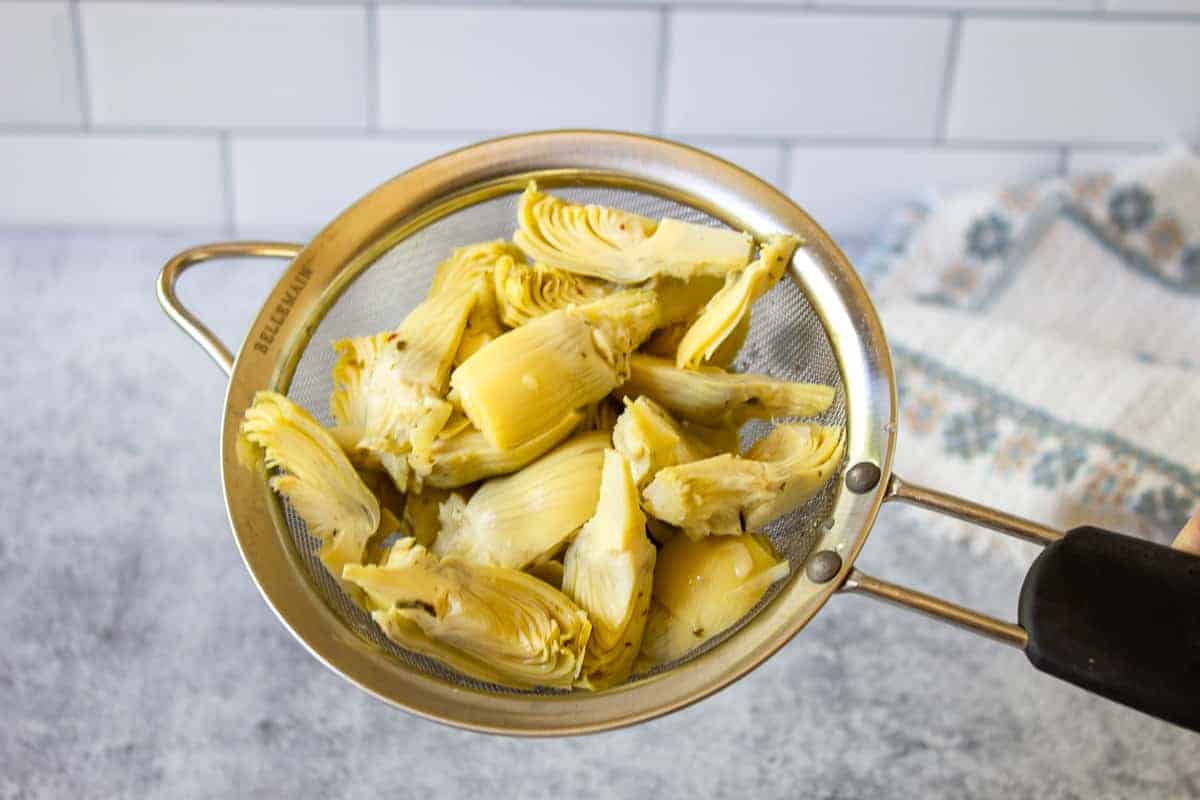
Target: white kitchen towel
(1047, 346)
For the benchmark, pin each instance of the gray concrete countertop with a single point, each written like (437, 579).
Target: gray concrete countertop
(137, 659)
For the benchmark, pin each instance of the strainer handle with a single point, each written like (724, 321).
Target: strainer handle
(185, 319)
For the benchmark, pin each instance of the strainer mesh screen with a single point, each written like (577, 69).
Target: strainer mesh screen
(786, 340)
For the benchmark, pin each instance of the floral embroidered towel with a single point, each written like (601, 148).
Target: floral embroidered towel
(1047, 345)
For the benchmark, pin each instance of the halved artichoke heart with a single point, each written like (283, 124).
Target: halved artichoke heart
(527, 291)
(490, 623)
(317, 477)
(469, 456)
(524, 383)
(713, 397)
(703, 587)
(730, 307)
(526, 517)
(388, 395)
(620, 246)
(727, 495)
(472, 268)
(650, 439)
(609, 571)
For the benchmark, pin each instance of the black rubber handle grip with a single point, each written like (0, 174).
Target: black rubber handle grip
(1120, 617)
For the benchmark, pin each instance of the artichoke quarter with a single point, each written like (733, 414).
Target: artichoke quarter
(609, 571)
(526, 291)
(730, 308)
(713, 397)
(471, 269)
(703, 587)
(620, 246)
(650, 439)
(729, 495)
(316, 477)
(528, 516)
(490, 623)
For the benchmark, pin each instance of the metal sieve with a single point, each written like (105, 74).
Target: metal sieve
(370, 266)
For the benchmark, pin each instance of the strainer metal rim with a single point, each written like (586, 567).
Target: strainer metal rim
(404, 204)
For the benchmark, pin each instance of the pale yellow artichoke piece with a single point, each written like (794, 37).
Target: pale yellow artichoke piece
(664, 342)
(727, 352)
(650, 439)
(389, 386)
(532, 377)
(681, 301)
(493, 624)
(317, 478)
(716, 398)
(472, 269)
(528, 516)
(527, 291)
(703, 587)
(620, 246)
(609, 571)
(727, 495)
(470, 457)
(730, 306)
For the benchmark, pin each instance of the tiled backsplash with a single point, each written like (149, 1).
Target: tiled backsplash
(258, 116)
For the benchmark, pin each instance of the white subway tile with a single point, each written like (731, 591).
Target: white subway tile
(307, 182)
(972, 5)
(761, 159)
(226, 65)
(852, 191)
(1076, 80)
(93, 179)
(517, 69)
(805, 74)
(37, 65)
(1082, 161)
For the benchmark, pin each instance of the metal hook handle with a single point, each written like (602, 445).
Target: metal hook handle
(185, 319)
(974, 621)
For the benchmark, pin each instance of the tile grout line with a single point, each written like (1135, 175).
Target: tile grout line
(942, 122)
(81, 76)
(230, 209)
(783, 168)
(372, 56)
(659, 112)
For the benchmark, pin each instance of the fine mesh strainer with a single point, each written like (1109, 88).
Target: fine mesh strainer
(369, 267)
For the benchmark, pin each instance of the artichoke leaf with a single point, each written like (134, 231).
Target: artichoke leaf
(729, 307)
(620, 246)
(472, 269)
(525, 517)
(490, 623)
(315, 476)
(650, 439)
(727, 495)
(715, 398)
(526, 291)
(609, 571)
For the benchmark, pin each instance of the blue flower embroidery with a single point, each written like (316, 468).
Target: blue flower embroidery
(1130, 208)
(988, 237)
(1191, 266)
(1059, 466)
(970, 434)
(1166, 507)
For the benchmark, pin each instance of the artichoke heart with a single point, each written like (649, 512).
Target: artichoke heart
(527, 516)
(620, 323)
(529, 379)
(727, 495)
(647, 436)
(620, 246)
(469, 456)
(703, 587)
(470, 269)
(420, 517)
(490, 623)
(729, 307)
(609, 570)
(526, 291)
(388, 387)
(716, 398)
(317, 478)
